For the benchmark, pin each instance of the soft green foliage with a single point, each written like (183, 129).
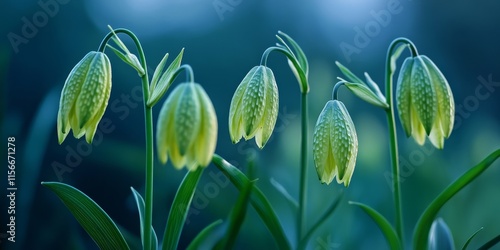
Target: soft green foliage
(91, 216)
(424, 223)
(383, 224)
(84, 97)
(258, 200)
(179, 209)
(141, 207)
(161, 83)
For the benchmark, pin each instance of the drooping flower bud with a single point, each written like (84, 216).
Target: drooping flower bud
(187, 127)
(335, 144)
(440, 236)
(84, 97)
(254, 107)
(425, 101)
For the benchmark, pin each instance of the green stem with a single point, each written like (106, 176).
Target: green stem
(303, 169)
(393, 136)
(148, 115)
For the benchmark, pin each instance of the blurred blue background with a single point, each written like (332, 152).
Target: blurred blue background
(223, 40)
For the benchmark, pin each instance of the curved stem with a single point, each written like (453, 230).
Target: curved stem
(335, 91)
(303, 169)
(189, 72)
(392, 133)
(148, 116)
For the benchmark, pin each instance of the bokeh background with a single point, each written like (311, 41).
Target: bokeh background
(43, 40)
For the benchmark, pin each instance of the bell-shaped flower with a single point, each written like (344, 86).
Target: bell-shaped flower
(425, 101)
(187, 127)
(335, 144)
(84, 97)
(254, 107)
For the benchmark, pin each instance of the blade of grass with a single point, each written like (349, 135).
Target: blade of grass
(90, 215)
(179, 209)
(383, 224)
(140, 206)
(424, 223)
(258, 200)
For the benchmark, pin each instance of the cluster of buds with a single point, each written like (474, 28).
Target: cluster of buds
(187, 125)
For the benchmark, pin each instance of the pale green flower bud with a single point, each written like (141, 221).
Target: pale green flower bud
(84, 97)
(254, 107)
(187, 127)
(425, 101)
(335, 144)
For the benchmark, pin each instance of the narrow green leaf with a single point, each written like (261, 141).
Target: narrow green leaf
(424, 223)
(237, 216)
(350, 76)
(490, 243)
(91, 216)
(321, 220)
(383, 224)
(258, 200)
(301, 57)
(374, 87)
(294, 203)
(470, 238)
(129, 59)
(366, 94)
(166, 79)
(157, 73)
(179, 209)
(395, 56)
(205, 234)
(141, 207)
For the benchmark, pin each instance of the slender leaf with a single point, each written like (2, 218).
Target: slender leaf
(284, 192)
(383, 224)
(258, 201)
(470, 238)
(301, 57)
(424, 223)
(129, 59)
(363, 92)
(350, 76)
(180, 208)
(374, 87)
(395, 56)
(90, 215)
(237, 217)
(322, 219)
(157, 73)
(141, 207)
(166, 79)
(206, 233)
(490, 243)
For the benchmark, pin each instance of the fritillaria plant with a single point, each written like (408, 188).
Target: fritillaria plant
(186, 134)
